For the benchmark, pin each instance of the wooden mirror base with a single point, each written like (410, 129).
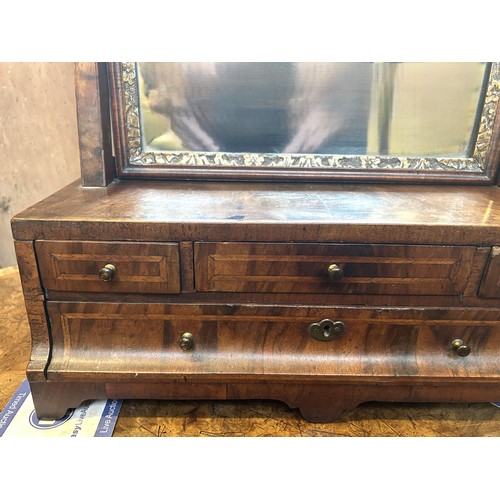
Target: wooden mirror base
(320, 296)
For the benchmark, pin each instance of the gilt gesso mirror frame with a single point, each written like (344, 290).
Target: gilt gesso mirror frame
(134, 160)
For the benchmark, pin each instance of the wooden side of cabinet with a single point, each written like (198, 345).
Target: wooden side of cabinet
(35, 308)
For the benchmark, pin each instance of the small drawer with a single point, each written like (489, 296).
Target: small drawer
(235, 340)
(332, 268)
(87, 266)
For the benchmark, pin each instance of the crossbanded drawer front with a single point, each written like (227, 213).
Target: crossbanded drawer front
(304, 268)
(138, 267)
(243, 340)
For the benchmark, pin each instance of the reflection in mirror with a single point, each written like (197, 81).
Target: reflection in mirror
(377, 109)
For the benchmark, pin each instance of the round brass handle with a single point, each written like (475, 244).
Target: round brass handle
(107, 273)
(187, 341)
(335, 273)
(459, 348)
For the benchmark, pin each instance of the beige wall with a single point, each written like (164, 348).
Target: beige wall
(38, 139)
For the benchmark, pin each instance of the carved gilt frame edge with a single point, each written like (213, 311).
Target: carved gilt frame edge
(137, 157)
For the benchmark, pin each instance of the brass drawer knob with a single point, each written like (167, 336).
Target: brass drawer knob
(107, 273)
(459, 348)
(187, 341)
(326, 330)
(335, 273)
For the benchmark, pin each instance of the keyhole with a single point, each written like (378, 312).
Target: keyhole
(326, 331)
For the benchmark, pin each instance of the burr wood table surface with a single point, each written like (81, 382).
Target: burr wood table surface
(147, 418)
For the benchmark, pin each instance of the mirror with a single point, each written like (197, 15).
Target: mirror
(327, 117)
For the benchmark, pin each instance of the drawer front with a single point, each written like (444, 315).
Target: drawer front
(304, 268)
(138, 267)
(278, 341)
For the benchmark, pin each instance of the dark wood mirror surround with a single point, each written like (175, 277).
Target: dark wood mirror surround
(321, 295)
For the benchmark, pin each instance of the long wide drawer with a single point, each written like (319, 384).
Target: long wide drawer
(261, 341)
(137, 267)
(307, 268)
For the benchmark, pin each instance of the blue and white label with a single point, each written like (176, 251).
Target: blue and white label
(92, 418)
(13, 406)
(107, 422)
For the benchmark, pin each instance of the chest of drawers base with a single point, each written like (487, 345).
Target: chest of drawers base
(179, 351)
(159, 306)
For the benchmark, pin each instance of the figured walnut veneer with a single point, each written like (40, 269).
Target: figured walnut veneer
(243, 267)
(231, 342)
(300, 268)
(141, 268)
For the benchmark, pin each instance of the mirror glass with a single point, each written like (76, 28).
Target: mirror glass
(321, 108)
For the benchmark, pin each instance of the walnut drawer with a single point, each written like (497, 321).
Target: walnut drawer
(140, 267)
(303, 268)
(259, 341)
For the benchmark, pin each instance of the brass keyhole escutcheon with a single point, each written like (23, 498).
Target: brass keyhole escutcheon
(107, 273)
(186, 342)
(326, 330)
(459, 348)
(335, 273)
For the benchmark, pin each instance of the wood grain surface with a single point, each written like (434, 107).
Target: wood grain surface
(148, 418)
(303, 268)
(262, 241)
(186, 211)
(140, 267)
(133, 342)
(94, 127)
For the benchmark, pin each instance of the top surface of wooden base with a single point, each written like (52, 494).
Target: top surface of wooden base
(148, 210)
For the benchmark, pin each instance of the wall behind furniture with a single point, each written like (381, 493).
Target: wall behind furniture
(38, 139)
